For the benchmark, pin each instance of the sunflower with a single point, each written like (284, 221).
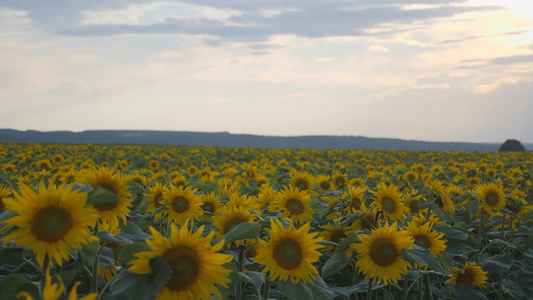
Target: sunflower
(295, 205)
(410, 176)
(182, 204)
(491, 196)
(302, 180)
(115, 183)
(444, 200)
(379, 254)
(56, 290)
(323, 182)
(290, 253)
(388, 200)
(355, 202)
(266, 196)
(426, 238)
(195, 267)
(414, 204)
(357, 182)
(420, 219)
(339, 180)
(334, 233)
(470, 274)
(4, 194)
(179, 180)
(52, 222)
(154, 199)
(210, 205)
(367, 222)
(230, 217)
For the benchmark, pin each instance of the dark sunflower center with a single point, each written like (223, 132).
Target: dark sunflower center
(422, 241)
(302, 185)
(288, 253)
(414, 206)
(324, 185)
(340, 181)
(337, 235)
(295, 206)
(157, 198)
(465, 278)
(230, 224)
(491, 198)
(208, 206)
(388, 204)
(184, 264)
(410, 177)
(105, 206)
(383, 252)
(180, 204)
(1, 204)
(356, 203)
(51, 223)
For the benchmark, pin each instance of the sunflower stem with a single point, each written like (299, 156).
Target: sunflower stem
(37, 268)
(94, 281)
(480, 234)
(266, 288)
(240, 266)
(369, 291)
(105, 288)
(405, 288)
(429, 293)
(420, 287)
(503, 226)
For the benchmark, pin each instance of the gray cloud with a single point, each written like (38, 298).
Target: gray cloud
(475, 37)
(506, 60)
(313, 19)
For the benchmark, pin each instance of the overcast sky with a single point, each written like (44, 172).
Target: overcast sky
(452, 71)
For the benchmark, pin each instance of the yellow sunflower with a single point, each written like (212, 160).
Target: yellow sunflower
(195, 267)
(155, 199)
(52, 291)
(290, 253)
(491, 196)
(323, 182)
(231, 216)
(266, 196)
(302, 180)
(115, 183)
(389, 201)
(339, 179)
(334, 233)
(426, 238)
(52, 222)
(470, 274)
(211, 205)
(295, 205)
(444, 200)
(4, 195)
(182, 204)
(420, 219)
(355, 202)
(379, 254)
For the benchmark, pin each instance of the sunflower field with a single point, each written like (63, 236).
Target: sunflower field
(180, 222)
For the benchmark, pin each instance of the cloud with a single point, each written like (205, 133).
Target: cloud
(231, 20)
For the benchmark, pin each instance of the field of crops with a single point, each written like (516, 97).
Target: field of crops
(158, 222)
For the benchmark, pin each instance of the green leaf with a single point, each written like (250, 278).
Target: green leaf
(510, 288)
(446, 262)
(235, 279)
(100, 195)
(350, 219)
(335, 264)
(242, 231)
(142, 286)
(11, 286)
(254, 278)
(7, 253)
(84, 188)
(361, 287)
(496, 263)
(458, 248)
(317, 290)
(463, 292)
(126, 253)
(423, 257)
(501, 242)
(452, 233)
(129, 234)
(317, 207)
(89, 252)
(346, 242)
(106, 258)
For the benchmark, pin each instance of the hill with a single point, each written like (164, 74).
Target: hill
(232, 140)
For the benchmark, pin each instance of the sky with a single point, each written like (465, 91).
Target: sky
(419, 70)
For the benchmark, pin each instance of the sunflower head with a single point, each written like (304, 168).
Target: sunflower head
(182, 204)
(491, 196)
(389, 201)
(195, 267)
(379, 254)
(295, 205)
(52, 222)
(290, 253)
(471, 274)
